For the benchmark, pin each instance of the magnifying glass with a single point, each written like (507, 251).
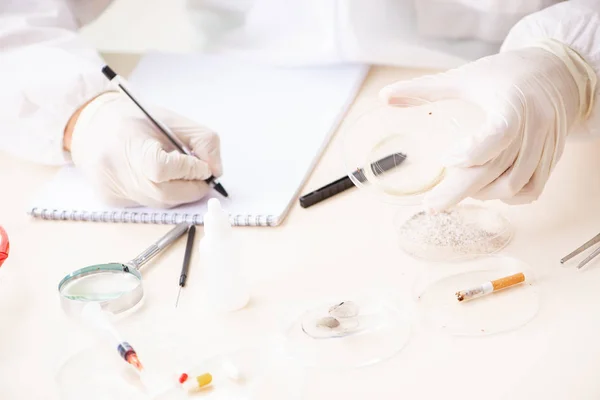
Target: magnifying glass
(117, 287)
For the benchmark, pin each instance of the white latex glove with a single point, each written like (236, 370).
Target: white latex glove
(531, 96)
(131, 163)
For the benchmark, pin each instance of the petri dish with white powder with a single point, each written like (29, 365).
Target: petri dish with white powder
(462, 232)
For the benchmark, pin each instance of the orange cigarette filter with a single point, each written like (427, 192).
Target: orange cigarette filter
(489, 287)
(508, 281)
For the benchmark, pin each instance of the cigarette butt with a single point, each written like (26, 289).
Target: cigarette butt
(489, 287)
(508, 281)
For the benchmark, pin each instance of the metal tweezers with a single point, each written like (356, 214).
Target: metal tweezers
(585, 246)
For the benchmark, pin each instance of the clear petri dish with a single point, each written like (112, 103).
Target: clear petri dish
(97, 372)
(377, 331)
(463, 232)
(395, 152)
(504, 310)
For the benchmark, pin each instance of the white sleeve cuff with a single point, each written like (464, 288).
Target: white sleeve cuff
(42, 88)
(574, 23)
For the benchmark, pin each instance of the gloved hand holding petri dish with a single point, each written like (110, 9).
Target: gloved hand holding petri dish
(533, 98)
(423, 131)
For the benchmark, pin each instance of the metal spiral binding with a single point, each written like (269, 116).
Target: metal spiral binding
(146, 218)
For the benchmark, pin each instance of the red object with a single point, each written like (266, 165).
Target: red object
(183, 377)
(4, 245)
(135, 361)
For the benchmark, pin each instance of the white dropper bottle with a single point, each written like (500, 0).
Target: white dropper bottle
(223, 287)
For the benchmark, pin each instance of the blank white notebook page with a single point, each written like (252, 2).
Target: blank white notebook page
(273, 124)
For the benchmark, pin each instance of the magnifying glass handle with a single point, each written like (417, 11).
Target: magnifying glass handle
(159, 246)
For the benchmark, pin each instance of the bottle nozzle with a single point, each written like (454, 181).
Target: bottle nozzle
(214, 205)
(216, 220)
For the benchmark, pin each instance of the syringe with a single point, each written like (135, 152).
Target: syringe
(99, 318)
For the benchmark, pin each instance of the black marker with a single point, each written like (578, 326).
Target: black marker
(112, 75)
(345, 183)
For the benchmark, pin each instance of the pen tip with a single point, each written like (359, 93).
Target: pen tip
(219, 188)
(108, 72)
(178, 294)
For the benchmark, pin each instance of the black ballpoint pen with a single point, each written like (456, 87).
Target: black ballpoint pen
(112, 75)
(186, 259)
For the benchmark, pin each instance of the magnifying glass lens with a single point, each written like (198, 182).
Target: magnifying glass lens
(100, 286)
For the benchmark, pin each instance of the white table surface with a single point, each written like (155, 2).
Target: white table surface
(348, 240)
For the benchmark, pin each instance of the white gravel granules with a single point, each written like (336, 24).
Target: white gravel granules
(463, 231)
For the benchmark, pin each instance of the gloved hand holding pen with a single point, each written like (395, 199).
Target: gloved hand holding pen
(532, 96)
(131, 163)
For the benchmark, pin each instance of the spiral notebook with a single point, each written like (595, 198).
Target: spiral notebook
(273, 123)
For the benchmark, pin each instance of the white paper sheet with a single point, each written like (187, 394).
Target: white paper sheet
(273, 124)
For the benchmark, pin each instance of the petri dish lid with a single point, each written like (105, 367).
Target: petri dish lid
(346, 331)
(239, 371)
(395, 152)
(500, 311)
(462, 232)
(97, 372)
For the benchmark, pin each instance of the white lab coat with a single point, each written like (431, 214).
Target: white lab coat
(47, 70)
(419, 33)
